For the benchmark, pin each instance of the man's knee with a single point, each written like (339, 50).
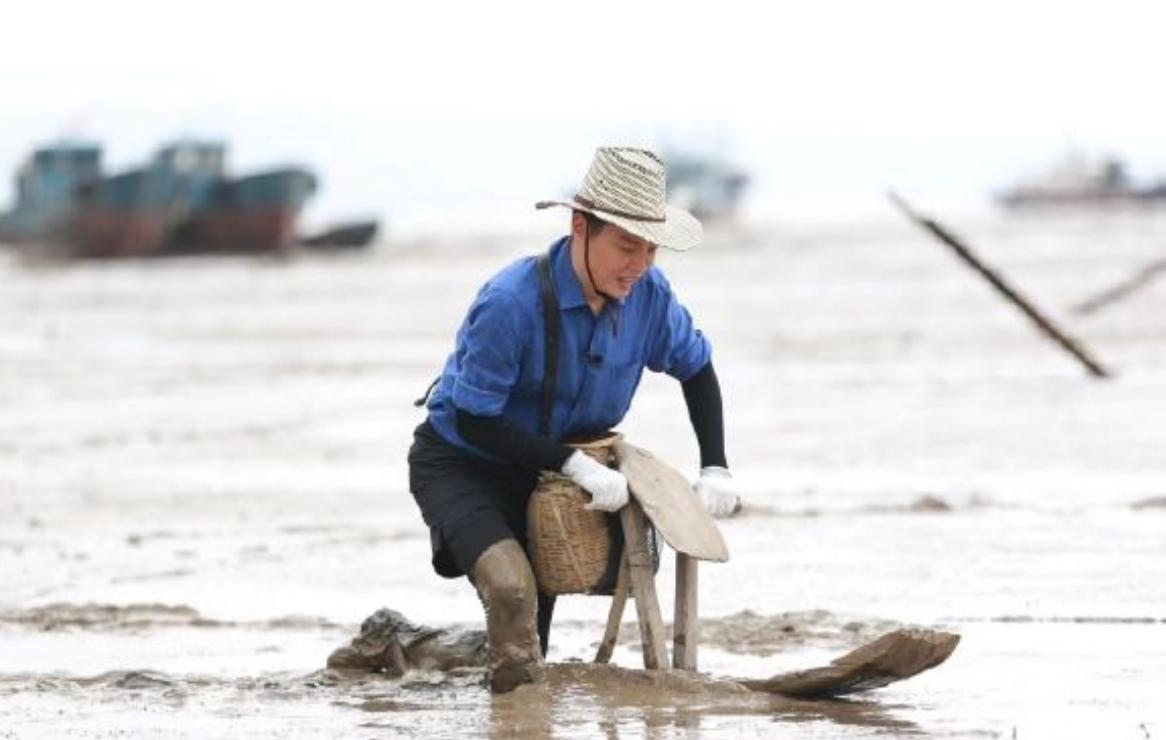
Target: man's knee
(504, 579)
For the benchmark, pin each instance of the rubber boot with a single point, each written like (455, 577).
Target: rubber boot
(507, 589)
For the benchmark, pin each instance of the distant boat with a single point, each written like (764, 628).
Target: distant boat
(181, 201)
(47, 184)
(1078, 182)
(708, 187)
(351, 235)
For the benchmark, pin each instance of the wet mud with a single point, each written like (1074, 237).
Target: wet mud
(412, 674)
(591, 700)
(389, 642)
(392, 645)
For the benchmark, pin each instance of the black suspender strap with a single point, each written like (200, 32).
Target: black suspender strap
(424, 399)
(550, 301)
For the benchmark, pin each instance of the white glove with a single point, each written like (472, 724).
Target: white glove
(717, 491)
(608, 488)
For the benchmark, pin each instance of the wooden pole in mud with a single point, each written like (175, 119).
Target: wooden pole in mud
(997, 281)
(1143, 278)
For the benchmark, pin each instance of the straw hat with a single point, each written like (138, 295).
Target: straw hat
(625, 187)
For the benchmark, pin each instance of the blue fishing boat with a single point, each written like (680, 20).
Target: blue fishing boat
(181, 201)
(47, 185)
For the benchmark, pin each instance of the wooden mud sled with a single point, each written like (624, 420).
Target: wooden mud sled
(662, 497)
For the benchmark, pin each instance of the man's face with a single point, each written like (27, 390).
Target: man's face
(618, 259)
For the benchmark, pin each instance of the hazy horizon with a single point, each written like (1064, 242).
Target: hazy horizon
(430, 117)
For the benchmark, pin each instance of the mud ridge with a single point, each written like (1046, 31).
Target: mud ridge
(115, 617)
(1032, 619)
(922, 504)
(1154, 502)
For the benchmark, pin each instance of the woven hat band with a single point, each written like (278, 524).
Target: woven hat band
(588, 203)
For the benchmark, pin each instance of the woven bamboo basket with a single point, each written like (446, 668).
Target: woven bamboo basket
(570, 547)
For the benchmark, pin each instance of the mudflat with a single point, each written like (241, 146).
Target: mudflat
(203, 491)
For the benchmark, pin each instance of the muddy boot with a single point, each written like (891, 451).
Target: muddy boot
(506, 587)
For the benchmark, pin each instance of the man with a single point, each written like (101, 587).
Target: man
(500, 412)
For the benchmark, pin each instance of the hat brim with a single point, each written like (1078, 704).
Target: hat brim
(680, 231)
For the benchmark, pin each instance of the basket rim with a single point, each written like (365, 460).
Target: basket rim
(606, 439)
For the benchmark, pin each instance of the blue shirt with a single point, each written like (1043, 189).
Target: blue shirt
(497, 365)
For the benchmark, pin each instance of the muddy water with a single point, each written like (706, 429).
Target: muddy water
(202, 491)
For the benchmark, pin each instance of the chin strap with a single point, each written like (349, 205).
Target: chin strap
(587, 264)
(610, 302)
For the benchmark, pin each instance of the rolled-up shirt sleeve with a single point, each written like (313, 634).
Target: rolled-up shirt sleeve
(494, 335)
(678, 347)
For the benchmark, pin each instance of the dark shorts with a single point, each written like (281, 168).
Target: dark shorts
(468, 503)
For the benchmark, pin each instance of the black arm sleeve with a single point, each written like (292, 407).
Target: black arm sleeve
(502, 439)
(702, 393)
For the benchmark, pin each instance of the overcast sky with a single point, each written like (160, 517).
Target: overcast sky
(422, 109)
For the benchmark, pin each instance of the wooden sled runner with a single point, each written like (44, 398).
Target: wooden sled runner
(892, 657)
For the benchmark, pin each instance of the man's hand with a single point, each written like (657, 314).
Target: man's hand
(717, 491)
(608, 488)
